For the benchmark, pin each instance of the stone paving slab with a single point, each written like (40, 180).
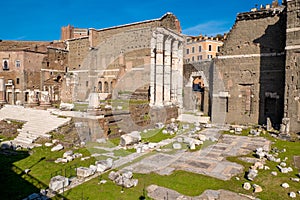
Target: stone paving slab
(209, 161)
(161, 193)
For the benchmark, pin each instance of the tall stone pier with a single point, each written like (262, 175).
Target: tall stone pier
(2, 91)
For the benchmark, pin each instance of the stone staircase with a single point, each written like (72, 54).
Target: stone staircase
(38, 123)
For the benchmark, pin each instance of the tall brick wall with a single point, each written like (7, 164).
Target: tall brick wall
(292, 73)
(168, 21)
(249, 72)
(78, 50)
(129, 49)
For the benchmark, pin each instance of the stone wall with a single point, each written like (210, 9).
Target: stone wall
(78, 49)
(128, 51)
(249, 72)
(203, 69)
(168, 21)
(292, 73)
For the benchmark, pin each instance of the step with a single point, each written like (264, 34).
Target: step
(21, 140)
(33, 137)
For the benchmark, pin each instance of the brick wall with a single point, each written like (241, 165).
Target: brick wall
(251, 69)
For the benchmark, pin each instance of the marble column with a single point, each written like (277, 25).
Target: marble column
(159, 70)
(167, 71)
(153, 70)
(2, 91)
(180, 76)
(174, 71)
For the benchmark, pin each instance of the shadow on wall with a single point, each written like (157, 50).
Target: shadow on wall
(272, 72)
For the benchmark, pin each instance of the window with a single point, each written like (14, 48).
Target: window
(86, 83)
(200, 48)
(209, 47)
(188, 60)
(18, 63)
(18, 81)
(209, 56)
(187, 51)
(193, 59)
(48, 64)
(193, 49)
(199, 57)
(218, 48)
(5, 64)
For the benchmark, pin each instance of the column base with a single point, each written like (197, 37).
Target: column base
(31, 105)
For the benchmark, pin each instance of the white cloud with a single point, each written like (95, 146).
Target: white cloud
(210, 28)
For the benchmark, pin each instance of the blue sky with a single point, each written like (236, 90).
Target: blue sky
(42, 19)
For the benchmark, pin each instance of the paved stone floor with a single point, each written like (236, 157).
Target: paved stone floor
(209, 161)
(38, 123)
(160, 193)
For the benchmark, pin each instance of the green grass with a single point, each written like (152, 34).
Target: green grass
(194, 184)
(184, 182)
(115, 141)
(42, 165)
(155, 135)
(80, 107)
(41, 162)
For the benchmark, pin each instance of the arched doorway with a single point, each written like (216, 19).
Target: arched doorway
(100, 86)
(106, 89)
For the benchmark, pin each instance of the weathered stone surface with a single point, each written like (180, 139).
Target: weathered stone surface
(202, 137)
(247, 186)
(259, 165)
(48, 144)
(68, 153)
(176, 146)
(274, 173)
(127, 174)
(285, 185)
(295, 179)
(104, 165)
(292, 195)
(257, 188)
(57, 147)
(252, 174)
(83, 172)
(113, 175)
(58, 182)
(130, 138)
(66, 106)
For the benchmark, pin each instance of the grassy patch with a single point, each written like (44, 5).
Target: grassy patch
(183, 182)
(115, 141)
(42, 165)
(155, 135)
(80, 107)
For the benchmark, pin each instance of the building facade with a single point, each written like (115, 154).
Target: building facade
(200, 48)
(249, 73)
(26, 67)
(129, 57)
